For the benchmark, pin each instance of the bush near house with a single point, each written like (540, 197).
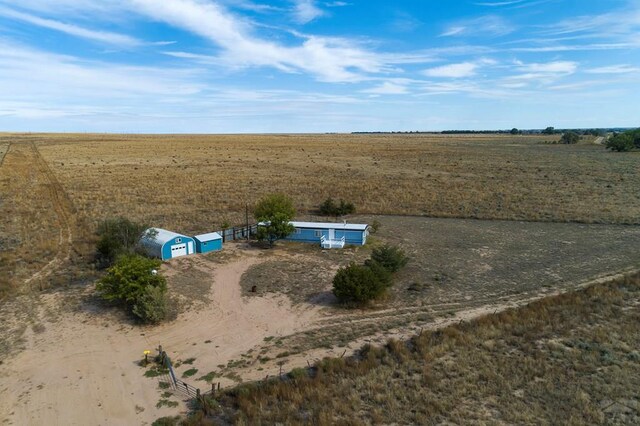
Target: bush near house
(570, 138)
(330, 208)
(623, 142)
(134, 283)
(389, 257)
(360, 284)
(117, 237)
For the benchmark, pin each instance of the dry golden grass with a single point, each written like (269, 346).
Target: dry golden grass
(192, 183)
(195, 183)
(573, 356)
(29, 225)
(38, 223)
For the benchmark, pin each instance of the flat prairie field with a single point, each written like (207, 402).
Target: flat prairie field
(191, 183)
(55, 188)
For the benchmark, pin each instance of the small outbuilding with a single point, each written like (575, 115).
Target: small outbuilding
(166, 244)
(206, 243)
(330, 235)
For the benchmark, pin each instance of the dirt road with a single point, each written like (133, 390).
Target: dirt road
(64, 210)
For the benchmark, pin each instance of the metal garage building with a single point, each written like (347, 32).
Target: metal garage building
(206, 243)
(166, 244)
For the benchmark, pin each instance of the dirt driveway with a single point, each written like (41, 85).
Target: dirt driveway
(83, 368)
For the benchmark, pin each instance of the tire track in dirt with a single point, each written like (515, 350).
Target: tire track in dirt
(64, 210)
(441, 314)
(4, 154)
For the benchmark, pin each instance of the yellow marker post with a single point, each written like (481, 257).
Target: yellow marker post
(146, 355)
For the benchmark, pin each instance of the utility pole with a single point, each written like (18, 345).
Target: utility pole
(247, 217)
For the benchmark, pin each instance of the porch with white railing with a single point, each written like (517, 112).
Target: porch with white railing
(329, 244)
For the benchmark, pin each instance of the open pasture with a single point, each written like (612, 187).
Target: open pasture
(55, 188)
(194, 182)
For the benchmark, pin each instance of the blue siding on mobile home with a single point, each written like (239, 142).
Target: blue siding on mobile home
(312, 232)
(207, 243)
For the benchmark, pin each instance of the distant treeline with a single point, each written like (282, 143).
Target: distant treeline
(514, 131)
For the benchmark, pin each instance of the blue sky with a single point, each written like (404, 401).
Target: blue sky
(236, 66)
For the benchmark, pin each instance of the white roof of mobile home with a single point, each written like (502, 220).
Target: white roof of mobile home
(331, 225)
(208, 237)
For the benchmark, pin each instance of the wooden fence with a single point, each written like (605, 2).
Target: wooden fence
(186, 389)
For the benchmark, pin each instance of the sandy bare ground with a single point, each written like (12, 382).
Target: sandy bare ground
(82, 369)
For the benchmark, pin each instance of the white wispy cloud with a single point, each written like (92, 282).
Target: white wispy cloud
(489, 25)
(578, 47)
(405, 22)
(542, 73)
(604, 25)
(514, 4)
(329, 59)
(388, 88)
(464, 69)
(459, 70)
(35, 73)
(305, 11)
(336, 4)
(614, 69)
(74, 30)
(555, 67)
(500, 3)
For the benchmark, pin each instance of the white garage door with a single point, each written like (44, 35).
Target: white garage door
(178, 250)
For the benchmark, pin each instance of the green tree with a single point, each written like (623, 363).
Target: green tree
(274, 211)
(117, 237)
(151, 306)
(133, 281)
(330, 208)
(360, 284)
(345, 208)
(549, 131)
(620, 142)
(570, 138)
(389, 257)
(515, 131)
